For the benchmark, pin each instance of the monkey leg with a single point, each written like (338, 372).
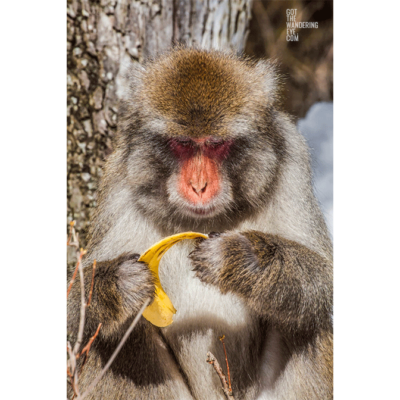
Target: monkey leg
(297, 372)
(143, 369)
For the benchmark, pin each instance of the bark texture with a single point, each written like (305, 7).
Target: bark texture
(105, 37)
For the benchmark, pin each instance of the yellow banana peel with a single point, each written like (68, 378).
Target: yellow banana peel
(161, 310)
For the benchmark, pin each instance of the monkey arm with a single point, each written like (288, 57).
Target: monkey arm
(121, 286)
(284, 282)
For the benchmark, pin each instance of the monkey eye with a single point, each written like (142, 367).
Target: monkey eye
(214, 142)
(185, 142)
(181, 142)
(182, 147)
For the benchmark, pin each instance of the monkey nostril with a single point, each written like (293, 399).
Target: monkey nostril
(199, 189)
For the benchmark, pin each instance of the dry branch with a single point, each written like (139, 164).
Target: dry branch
(81, 254)
(87, 347)
(83, 310)
(73, 353)
(116, 351)
(72, 370)
(73, 238)
(71, 364)
(227, 364)
(92, 284)
(225, 387)
(71, 231)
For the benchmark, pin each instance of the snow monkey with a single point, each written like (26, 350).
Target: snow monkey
(202, 146)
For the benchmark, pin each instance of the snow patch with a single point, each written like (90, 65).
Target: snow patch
(317, 128)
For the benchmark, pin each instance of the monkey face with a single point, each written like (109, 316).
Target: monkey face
(197, 187)
(201, 139)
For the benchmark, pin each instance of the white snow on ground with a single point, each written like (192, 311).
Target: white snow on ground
(317, 128)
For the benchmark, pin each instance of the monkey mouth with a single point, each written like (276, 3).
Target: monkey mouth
(201, 211)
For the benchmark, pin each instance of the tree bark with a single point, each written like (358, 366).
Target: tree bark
(104, 38)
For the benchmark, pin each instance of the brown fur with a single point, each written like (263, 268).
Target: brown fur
(270, 264)
(176, 88)
(265, 282)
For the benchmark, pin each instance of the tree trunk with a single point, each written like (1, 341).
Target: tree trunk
(104, 38)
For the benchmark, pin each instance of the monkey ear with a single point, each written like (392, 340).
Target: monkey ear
(267, 71)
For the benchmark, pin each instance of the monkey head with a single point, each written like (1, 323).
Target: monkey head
(201, 138)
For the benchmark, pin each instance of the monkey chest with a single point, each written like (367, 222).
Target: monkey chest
(203, 315)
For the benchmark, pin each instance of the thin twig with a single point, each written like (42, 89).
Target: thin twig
(83, 309)
(71, 379)
(91, 285)
(214, 362)
(73, 238)
(71, 231)
(71, 361)
(73, 278)
(71, 369)
(76, 379)
(116, 351)
(87, 347)
(81, 254)
(226, 359)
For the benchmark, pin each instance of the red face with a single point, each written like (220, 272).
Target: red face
(200, 159)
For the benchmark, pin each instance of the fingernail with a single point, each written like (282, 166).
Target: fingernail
(134, 257)
(213, 234)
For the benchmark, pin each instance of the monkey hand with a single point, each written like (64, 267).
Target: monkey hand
(281, 280)
(219, 259)
(135, 281)
(121, 286)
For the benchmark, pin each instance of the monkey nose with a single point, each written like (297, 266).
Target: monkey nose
(199, 188)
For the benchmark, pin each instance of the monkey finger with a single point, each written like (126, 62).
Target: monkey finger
(214, 235)
(198, 241)
(134, 257)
